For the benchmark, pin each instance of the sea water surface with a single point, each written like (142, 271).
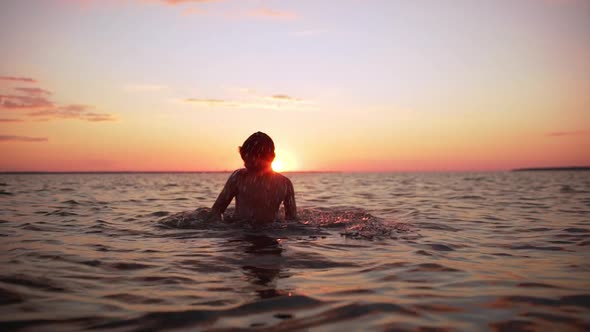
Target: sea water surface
(506, 251)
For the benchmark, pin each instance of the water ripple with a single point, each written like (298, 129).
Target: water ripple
(404, 252)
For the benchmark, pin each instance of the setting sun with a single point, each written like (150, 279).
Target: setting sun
(283, 162)
(278, 166)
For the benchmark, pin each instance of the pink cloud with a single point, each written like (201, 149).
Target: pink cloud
(87, 3)
(284, 97)
(76, 108)
(17, 102)
(281, 102)
(257, 13)
(18, 79)
(33, 91)
(98, 117)
(13, 138)
(273, 14)
(178, 2)
(63, 112)
(265, 13)
(567, 133)
(10, 120)
(74, 111)
(35, 101)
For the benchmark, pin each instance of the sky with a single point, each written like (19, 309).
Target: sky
(346, 85)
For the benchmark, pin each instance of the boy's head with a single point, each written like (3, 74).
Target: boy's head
(258, 151)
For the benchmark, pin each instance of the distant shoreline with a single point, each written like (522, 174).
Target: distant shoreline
(545, 169)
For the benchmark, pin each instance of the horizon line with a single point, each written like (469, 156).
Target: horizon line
(550, 168)
(229, 171)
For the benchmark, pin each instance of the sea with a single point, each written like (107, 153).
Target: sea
(495, 251)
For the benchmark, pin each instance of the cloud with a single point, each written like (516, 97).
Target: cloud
(190, 7)
(20, 102)
(33, 91)
(29, 99)
(98, 117)
(263, 12)
(211, 102)
(567, 133)
(285, 97)
(11, 138)
(18, 79)
(74, 111)
(272, 14)
(274, 102)
(178, 2)
(10, 120)
(86, 3)
(36, 102)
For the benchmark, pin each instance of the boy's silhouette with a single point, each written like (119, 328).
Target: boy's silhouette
(259, 191)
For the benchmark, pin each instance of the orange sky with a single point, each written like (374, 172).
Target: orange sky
(339, 85)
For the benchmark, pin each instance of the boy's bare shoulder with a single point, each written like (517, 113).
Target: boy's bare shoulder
(237, 173)
(243, 174)
(283, 179)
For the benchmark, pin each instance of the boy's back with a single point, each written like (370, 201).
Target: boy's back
(258, 195)
(258, 190)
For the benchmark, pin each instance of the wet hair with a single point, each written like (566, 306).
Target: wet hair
(259, 146)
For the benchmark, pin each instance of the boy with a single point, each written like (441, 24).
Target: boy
(258, 190)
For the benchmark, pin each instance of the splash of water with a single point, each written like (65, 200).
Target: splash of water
(351, 222)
